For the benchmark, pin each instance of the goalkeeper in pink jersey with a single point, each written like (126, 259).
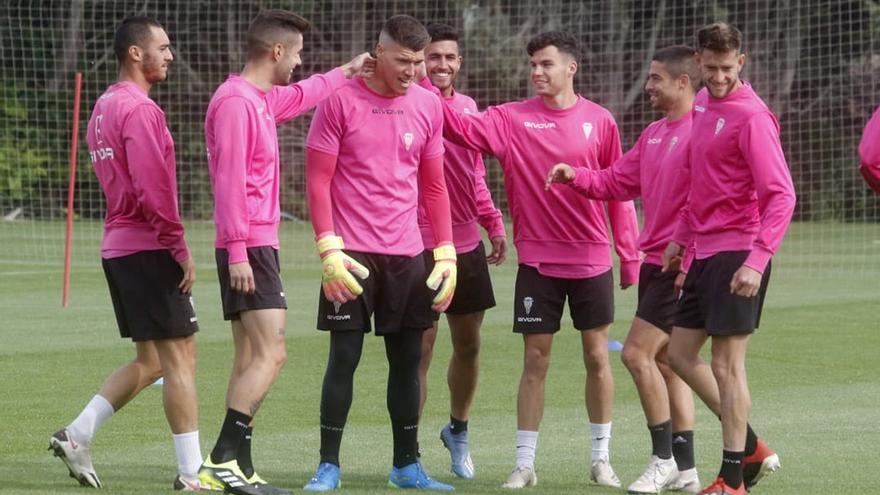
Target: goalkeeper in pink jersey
(243, 160)
(472, 207)
(652, 170)
(374, 149)
(869, 152)
(561, 237)
(148, 265)
(739, 208)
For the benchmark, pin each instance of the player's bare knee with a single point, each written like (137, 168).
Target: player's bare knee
(467, 351)
(596, 360)
(278, 357)
(679, 361)
(665, 369)
(536, 364)
(635, 359)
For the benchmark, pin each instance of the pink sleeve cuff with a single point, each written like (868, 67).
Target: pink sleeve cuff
(582, 179)
(237, 251)
(180, 253)
(497, 229)
(758, 259)
(629, 272)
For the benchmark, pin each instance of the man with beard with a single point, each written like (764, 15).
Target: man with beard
(652, 170)
(243, 159)
(148, 265)
(472, 206)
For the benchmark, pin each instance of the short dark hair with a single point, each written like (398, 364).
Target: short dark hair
(407, 32)
(271, 26)
(562, 40)
(678, 60)
(719, 37)
(136, 31)
(442, 32)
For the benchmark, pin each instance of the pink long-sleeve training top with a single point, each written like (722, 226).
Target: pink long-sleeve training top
(869, 152)
(560, 232)
(133, 156)
(388, 152)
(243, 159)
(469, 197)
(652, 169)
(741, 194)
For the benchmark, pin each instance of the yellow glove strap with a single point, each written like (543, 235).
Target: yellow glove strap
(330, 242)
(444, 252)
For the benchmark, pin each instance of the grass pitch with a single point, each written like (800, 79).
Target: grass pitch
(812, 368)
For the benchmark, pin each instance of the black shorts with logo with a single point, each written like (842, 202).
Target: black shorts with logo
(147, 302)
(394, 293)
(706, 302)
(657, 303)
(539, 300)
(269, 293)
(473, 286)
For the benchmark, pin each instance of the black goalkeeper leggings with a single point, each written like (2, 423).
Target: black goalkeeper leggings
(403, 350)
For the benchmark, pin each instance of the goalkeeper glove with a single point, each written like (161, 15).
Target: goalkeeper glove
(443, 276)
(336, 278)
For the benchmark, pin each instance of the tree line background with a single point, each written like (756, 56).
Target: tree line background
(814, 62)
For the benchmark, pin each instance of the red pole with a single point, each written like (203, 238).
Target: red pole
(71, 184)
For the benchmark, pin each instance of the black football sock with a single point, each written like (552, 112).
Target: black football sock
(404, 351)
(337, 391)
(231, 435)
(732, 468)
(244, 453)
(683, 449)
(457, 426)
(661, 439)
(751, 441)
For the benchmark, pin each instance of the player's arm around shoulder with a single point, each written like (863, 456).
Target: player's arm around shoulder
(295, 99)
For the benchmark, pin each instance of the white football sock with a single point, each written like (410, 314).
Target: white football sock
(600, 437)
(189, 454)
(526, 444)
(89, 421)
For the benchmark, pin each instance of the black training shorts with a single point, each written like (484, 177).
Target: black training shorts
(269, 293)
(539, 300)
(706, 302)
(394, 294)
(146, 299)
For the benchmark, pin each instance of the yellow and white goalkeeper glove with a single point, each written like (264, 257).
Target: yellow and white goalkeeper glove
(443, 276)
(336, 278)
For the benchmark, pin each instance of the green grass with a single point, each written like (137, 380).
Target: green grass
(812, 367)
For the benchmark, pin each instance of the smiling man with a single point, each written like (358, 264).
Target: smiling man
(375, 149)
(243, 160)
(472, 206)
(740, 205)
(652, 170)
(561, 237)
